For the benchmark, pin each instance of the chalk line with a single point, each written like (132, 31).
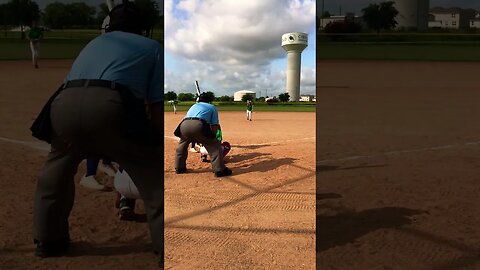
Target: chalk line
(260, 144)
(397, 152)
(281, 142)
(46, 147)
(31, 144)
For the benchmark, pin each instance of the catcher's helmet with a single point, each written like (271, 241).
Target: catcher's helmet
(127, 17)
(226, 148)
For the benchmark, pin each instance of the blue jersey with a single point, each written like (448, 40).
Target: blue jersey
(129, 59)
(205, 111)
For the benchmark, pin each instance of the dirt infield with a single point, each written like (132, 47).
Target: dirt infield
(398, 147)
(262, 217)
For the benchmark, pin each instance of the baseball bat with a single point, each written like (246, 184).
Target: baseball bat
(110, 4)
(198, 88)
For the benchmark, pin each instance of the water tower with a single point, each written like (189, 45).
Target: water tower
(412, 14)
(294, 43)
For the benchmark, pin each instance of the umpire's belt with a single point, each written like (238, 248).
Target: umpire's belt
(194, 118)
(99, 83)
(207, 131)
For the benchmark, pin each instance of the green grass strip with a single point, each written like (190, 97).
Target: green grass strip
(240, 106)
(410, 52)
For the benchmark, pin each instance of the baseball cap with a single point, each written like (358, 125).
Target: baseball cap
(204, 97)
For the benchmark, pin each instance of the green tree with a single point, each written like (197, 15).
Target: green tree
(247, 97)
(284, 97)
(186, 97)
(102, 13)
(152, 13)
(75, 15)
(22, 13)
(80, 14)
(380, 16)
(170, 95)
(4, 17)
(55, 15)
(225, 98)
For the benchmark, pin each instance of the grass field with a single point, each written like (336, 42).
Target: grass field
(49, 49)
(400, 46)
(399, 51)
(57, 44)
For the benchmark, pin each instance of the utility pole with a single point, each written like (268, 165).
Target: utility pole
(323, 14)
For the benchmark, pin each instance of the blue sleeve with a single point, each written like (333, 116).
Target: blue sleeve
(215, 116)
(155, 90)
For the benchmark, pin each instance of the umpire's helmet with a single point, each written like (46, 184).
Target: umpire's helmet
(127, 17)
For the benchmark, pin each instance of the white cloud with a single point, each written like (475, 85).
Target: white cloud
(229, 44)
(308, 78)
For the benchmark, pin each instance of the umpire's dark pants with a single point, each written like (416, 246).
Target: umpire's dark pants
(88, 123)
(192, 130)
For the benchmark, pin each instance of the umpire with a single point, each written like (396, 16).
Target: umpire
(201, 125)
(101, 113)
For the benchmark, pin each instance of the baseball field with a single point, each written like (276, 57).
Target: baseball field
(397, 170)
(398, 165)
(262, 217)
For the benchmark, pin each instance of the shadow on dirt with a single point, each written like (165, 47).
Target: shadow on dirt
(344, 228)
(244, 157)
(324, 196)
(262, 165)
(83, 248)
(256, 192)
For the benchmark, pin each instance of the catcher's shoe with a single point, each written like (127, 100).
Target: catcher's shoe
(226, 148)
(91, 183)
(126, 211)
(118, 196)
(106, 168)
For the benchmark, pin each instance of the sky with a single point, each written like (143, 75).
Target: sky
(330, 5)
(231, 45)
(43, 3)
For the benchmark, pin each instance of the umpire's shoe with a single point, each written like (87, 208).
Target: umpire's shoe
(224, 172)
(180, 170)
(51, 249)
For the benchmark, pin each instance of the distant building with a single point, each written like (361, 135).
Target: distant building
(25, 28)
(331, 19)
(237, 96)
(350, 17)
(307, 98)
(451, 18)
(475, 23)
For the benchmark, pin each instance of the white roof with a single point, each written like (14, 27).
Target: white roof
(245, 91)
